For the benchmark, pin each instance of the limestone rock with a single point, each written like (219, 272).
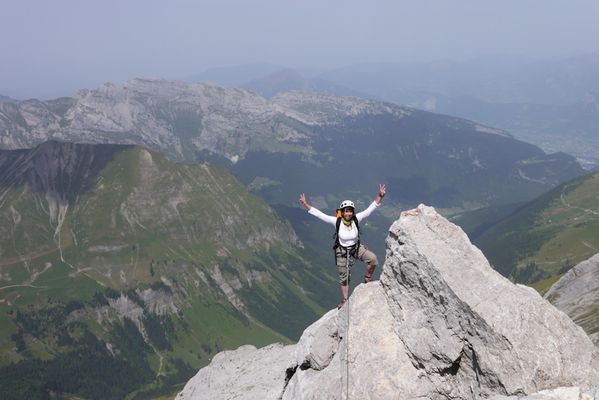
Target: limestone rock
(173, 115)
(378, 364)
(318, 343)
(441, 324)
(243, 374)
(562, 393)
(577, 294)
(470, 329)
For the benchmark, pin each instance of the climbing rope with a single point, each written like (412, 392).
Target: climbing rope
(348, 264)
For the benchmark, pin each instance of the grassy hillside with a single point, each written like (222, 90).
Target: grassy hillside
(424, 158)
(147, 271)
(544, 238)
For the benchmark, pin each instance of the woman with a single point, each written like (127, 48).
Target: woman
(347, 241)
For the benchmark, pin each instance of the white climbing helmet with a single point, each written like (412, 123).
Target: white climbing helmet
(347, 203)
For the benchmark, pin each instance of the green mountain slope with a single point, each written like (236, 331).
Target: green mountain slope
(424, 158)
(544, 238)
(116, 257)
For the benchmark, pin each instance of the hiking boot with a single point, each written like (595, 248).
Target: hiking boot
(341, 304)
(369, 273)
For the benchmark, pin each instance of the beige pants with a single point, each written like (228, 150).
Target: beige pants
(363, 254)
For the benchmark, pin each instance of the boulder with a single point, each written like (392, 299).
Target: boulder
(245, 373)
(577, 294)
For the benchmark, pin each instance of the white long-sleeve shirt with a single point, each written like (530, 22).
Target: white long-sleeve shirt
(348, 235)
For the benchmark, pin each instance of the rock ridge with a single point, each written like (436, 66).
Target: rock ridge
(179, 117)
(440, 324)
(174, 115)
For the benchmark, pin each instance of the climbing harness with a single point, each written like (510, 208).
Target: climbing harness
(356, 246)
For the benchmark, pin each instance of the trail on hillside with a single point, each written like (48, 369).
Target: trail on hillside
(584, 210)
(160, 359)
(566, 204)
(26, 257)
(23, 285)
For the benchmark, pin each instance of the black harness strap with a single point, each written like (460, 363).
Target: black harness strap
(355, 247)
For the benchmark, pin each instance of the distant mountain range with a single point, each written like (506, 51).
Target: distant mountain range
(116, 257)
(287, 80)
(551, 103)
(312, 138)
(236, 75)
(496, 79)
(7, 99)
(570, 128)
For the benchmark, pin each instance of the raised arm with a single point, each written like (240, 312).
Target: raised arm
(316, 212)
(373, 206)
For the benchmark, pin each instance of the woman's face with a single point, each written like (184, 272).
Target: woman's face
(348, 213)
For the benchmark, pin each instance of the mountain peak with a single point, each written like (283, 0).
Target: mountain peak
(287, 80)
(440, 324)
(59, 170)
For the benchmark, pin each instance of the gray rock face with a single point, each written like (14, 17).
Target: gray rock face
(562, 393)
(441, 324)
(179, 118)
(319, 343)
(246, 373)
(378, 368)
(470, 329)
(577, 294)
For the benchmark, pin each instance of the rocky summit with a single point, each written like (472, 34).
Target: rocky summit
(440, 324)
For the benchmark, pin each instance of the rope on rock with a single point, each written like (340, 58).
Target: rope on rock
(348, 264)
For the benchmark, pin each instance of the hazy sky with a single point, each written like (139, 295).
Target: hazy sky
(52, 48)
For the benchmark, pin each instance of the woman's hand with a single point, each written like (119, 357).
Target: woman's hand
(381, 194)
(304, 202)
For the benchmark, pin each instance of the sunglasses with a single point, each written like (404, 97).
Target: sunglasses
(347, 209)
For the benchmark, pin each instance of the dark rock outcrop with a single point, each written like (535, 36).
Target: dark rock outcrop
(60, 170)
